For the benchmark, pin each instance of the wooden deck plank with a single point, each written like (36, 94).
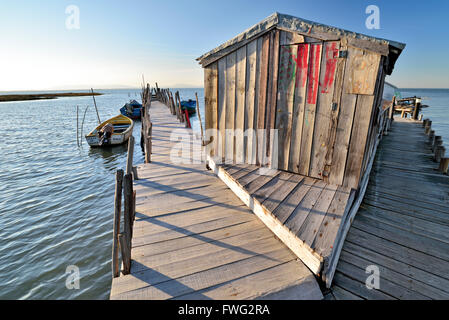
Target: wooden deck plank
(192, 232)
(251, 287)
(195, 284)
(402, 225)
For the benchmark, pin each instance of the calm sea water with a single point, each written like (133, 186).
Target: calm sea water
(56, 199)
(438, 111)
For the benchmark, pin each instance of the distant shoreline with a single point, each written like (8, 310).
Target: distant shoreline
(42, 96)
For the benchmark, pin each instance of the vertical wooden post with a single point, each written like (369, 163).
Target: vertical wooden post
(439, 153)
(95, 103)
(428, 127)
(129, 158)
(148, 142)
(391, 111)
(126, 254)
(77, 125)
(437, 141)
(181, 114)
(431, 136)
(444, 165)
(199, 118)
(116, 226)
(416, 110)
(127, 213)
(134, 207)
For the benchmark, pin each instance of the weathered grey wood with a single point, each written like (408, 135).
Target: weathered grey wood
(310, 227)
(323, 109)
(310, 108)
(127, 212)
(342, 294)
(299, 101)
(251, 69)
(284, 105)
(276, 198)
(126, 253)
(343, 131)
(201, 236)
(221, 143)
(130, 154)
(444, 164)
(231, 62)
(285, 209)
(329, 228)
(439, 285)
(239, 121)
(262, 97)
(211, 106)
(359, 134)
(359, 288)
(402, 224)
(304, 289)
(299, 215)
(393, 289)
(272, 93)
(116, 226)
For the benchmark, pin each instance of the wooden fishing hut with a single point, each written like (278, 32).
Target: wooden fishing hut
(305, 100)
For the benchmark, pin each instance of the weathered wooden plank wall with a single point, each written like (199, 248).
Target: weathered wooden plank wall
(321, 103)
(210, 100)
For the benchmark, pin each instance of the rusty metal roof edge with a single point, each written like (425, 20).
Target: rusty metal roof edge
(295, 24)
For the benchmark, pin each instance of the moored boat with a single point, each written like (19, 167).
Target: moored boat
(131, 109)
(113, 131)
(189, 105)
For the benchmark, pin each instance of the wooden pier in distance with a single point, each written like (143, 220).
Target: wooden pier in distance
(402, 226)
(194, 239)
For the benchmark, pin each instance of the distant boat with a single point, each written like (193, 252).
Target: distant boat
(132, 109)
(189, 105)
(122, 129)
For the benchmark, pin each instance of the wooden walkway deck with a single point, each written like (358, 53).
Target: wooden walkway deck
(194, 239)
(305, 213)
(402, 226)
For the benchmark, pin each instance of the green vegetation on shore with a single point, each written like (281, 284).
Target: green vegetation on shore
(39, 96)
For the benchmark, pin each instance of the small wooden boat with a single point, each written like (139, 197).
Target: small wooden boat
(122, 130)
(132, 109)
(189, 105)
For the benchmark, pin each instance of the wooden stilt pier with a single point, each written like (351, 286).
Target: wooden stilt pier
(402, 226)
(193, 238)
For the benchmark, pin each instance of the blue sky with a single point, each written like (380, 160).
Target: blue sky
(118, 41)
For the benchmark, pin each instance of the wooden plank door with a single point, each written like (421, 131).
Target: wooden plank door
(304, 107)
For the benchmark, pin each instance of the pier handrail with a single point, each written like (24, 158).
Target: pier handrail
(146, 129)
(122, 240)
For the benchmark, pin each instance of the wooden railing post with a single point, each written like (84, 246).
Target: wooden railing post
(127, 213)
(428, 127)
(126, 253)
(439, 153)
(444, 165)
(116, 226)
(129, 158)
(199, 119)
